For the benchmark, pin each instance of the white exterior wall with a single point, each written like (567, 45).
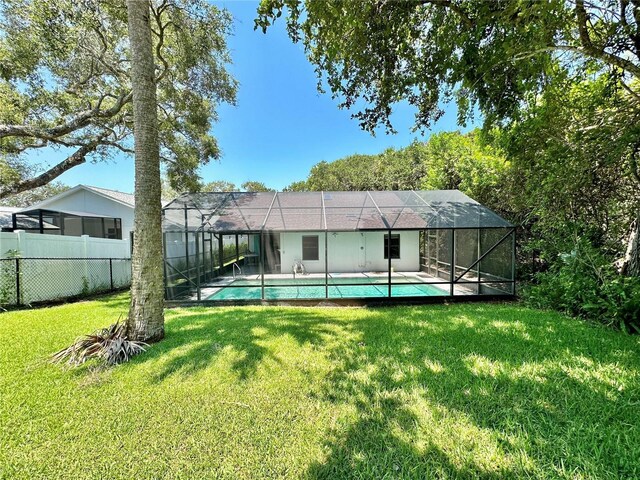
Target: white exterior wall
(85, 201)
(352, 252)
(34, 245)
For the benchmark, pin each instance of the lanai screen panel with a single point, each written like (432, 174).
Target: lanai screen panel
(332, 211)
(404, 210)
(241, 212)
(346, 211)
(456, 210)
(190, 210)
(295, 212)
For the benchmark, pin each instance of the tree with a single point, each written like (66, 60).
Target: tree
(65, 85)
(253, 186)
(497, 56)
(31, 197)
(219, 186)
(448, 160)
(298, 186)
(146, 313)
(572, 160)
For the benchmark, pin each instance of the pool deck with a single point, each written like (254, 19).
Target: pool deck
(399, 278)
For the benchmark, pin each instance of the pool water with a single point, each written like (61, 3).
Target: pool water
(374, 288)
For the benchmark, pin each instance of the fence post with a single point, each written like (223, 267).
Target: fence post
(21, 242)
(18, 295)
(111, 272)
(85, 248)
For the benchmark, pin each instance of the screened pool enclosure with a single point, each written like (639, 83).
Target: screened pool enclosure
(409, 245)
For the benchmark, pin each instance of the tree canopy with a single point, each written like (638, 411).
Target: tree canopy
(255, 186)
(559, 80)
(65, 84)
(448, 160)
(493, 55)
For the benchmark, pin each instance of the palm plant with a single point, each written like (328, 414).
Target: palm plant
(110, 345)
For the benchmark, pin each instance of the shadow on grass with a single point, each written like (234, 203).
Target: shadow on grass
(443, 392)
(204, 334)
(480, 395)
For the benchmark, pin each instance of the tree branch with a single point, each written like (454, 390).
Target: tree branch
(630, 90)
(636, 17)
(451, 5)
(77, 158)
(79, 121)
(634, 162)
(157, 14)
(582, 20)
(598, 53)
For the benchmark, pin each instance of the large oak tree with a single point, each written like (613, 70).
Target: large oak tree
(65, 84)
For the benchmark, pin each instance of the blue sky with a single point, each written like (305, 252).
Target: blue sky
(281, 126)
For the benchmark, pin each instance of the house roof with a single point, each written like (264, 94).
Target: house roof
(126, 199)
(327, 211)
(119, 197)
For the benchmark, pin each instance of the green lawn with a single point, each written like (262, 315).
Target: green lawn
(459, 391)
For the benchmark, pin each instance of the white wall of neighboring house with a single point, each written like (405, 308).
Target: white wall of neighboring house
(352, 252)
(86, 201)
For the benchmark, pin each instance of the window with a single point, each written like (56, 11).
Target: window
(395, 246)
(93, 227)
(72, 226)
(310, 250)
(112, 228)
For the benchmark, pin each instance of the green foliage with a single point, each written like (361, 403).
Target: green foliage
(298, 186)
(65, 81)
(31, 197)
(85, 287)
(448, 160)
(571, 155)
(219, 186)
(254, 186)
(583, 283)
(443, 391)
(493, 55)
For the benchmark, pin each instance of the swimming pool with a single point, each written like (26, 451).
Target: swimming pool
(370, 288)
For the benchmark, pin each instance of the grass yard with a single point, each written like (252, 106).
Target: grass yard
(459, 391)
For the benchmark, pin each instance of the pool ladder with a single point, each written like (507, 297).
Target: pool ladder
(235, 265)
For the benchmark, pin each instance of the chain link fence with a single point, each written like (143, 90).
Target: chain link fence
(24, 281)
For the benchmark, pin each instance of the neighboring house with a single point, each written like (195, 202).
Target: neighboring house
(6, 218)
(81, 210)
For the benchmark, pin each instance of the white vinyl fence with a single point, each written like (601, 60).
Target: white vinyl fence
(40, 268)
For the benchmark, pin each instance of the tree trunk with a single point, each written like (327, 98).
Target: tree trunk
(146, 313)
(631, 262)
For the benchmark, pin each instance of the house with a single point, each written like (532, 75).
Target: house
(6, 218)
(81, 210)
(314, 245)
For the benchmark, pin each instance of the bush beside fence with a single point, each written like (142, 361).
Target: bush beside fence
(24, 281)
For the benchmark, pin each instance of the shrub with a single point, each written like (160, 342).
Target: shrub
(584, 283)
